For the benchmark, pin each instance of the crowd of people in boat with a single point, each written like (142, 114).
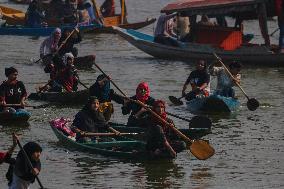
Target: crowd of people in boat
(67, 12)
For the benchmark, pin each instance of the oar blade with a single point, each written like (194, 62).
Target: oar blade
(200, 122)
(201, 149)
(175, 101)
(252, 104)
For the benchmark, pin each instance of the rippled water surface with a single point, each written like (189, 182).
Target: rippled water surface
(249, 145)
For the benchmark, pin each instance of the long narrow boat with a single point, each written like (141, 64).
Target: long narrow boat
(77, 97)
(19, 116)
(119, 147)
(213, 104)
(40, 31)
(12, 16)
(227, 42)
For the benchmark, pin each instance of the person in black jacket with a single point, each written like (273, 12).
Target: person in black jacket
(89, 119)
(23, 174)
(12, 91)
(69, 45)
(137, 113)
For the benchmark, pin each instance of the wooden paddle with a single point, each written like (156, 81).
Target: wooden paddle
(90, 134)
(59, 48)
(35, 107)
(199, 148)
(252, 103)
(29, 162)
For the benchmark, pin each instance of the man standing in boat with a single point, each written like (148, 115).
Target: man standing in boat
(225, 83)
(12, 92)
(199, 80)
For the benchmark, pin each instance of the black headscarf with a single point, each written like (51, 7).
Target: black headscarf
(22, 168)
(10, 70)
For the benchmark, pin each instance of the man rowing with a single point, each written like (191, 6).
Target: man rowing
(225, 83)
(199, 81)
(12, 92)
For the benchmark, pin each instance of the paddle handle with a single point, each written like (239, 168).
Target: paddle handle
(226, 69)
(88, 134)
(29, 162)
(18, 105)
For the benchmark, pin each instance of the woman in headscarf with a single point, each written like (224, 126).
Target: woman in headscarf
(12, 91)
(23, 174)
(137, 111)
(66, 78)
(161, 140)
(90, 119)
(49, 46)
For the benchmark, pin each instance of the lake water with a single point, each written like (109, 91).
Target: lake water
(249, 145)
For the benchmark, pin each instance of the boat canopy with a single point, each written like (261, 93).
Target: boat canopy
(215, 7)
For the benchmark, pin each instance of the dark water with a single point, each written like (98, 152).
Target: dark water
(249, 145)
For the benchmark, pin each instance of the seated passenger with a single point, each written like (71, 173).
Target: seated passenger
(160, 137)
(137, 111)
(199, 81)
(108, 8)
(224, 82)
(89, 119)
(12, 91)
(205, 21)
(68, 47)
(164, 31)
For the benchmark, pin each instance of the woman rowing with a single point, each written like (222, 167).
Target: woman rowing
(12, 92)
(160, 138)
(101, 90)
(225, 83)
(23, 174)
(138, 112)
(199, 81)
(89, 119)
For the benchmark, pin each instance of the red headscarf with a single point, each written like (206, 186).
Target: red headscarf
(142, 97)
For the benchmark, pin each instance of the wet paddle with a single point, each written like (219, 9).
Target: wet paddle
(32, 106)
(176, 101)
(29, 162)
(199, 148)
(62, 44)
(252, 103)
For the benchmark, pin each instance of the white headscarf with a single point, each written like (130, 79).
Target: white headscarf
(66, 56)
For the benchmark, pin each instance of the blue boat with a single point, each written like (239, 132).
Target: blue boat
(19, 116)
(40, 31)
(213, 104)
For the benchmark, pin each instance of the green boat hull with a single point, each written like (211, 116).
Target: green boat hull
(121, 147)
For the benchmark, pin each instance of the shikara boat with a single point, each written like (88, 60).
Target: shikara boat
(77, 97)
(19, 116)
(213, 104)
(226, 41)
(41, 31)
(12, 16)
(120, 147)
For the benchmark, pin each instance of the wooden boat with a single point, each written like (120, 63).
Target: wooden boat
(19, 116)
(193, 133)
(77, 97)
(213, 104)
(227, 42)
(41, 31)
(119, 147)
(12, 16)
